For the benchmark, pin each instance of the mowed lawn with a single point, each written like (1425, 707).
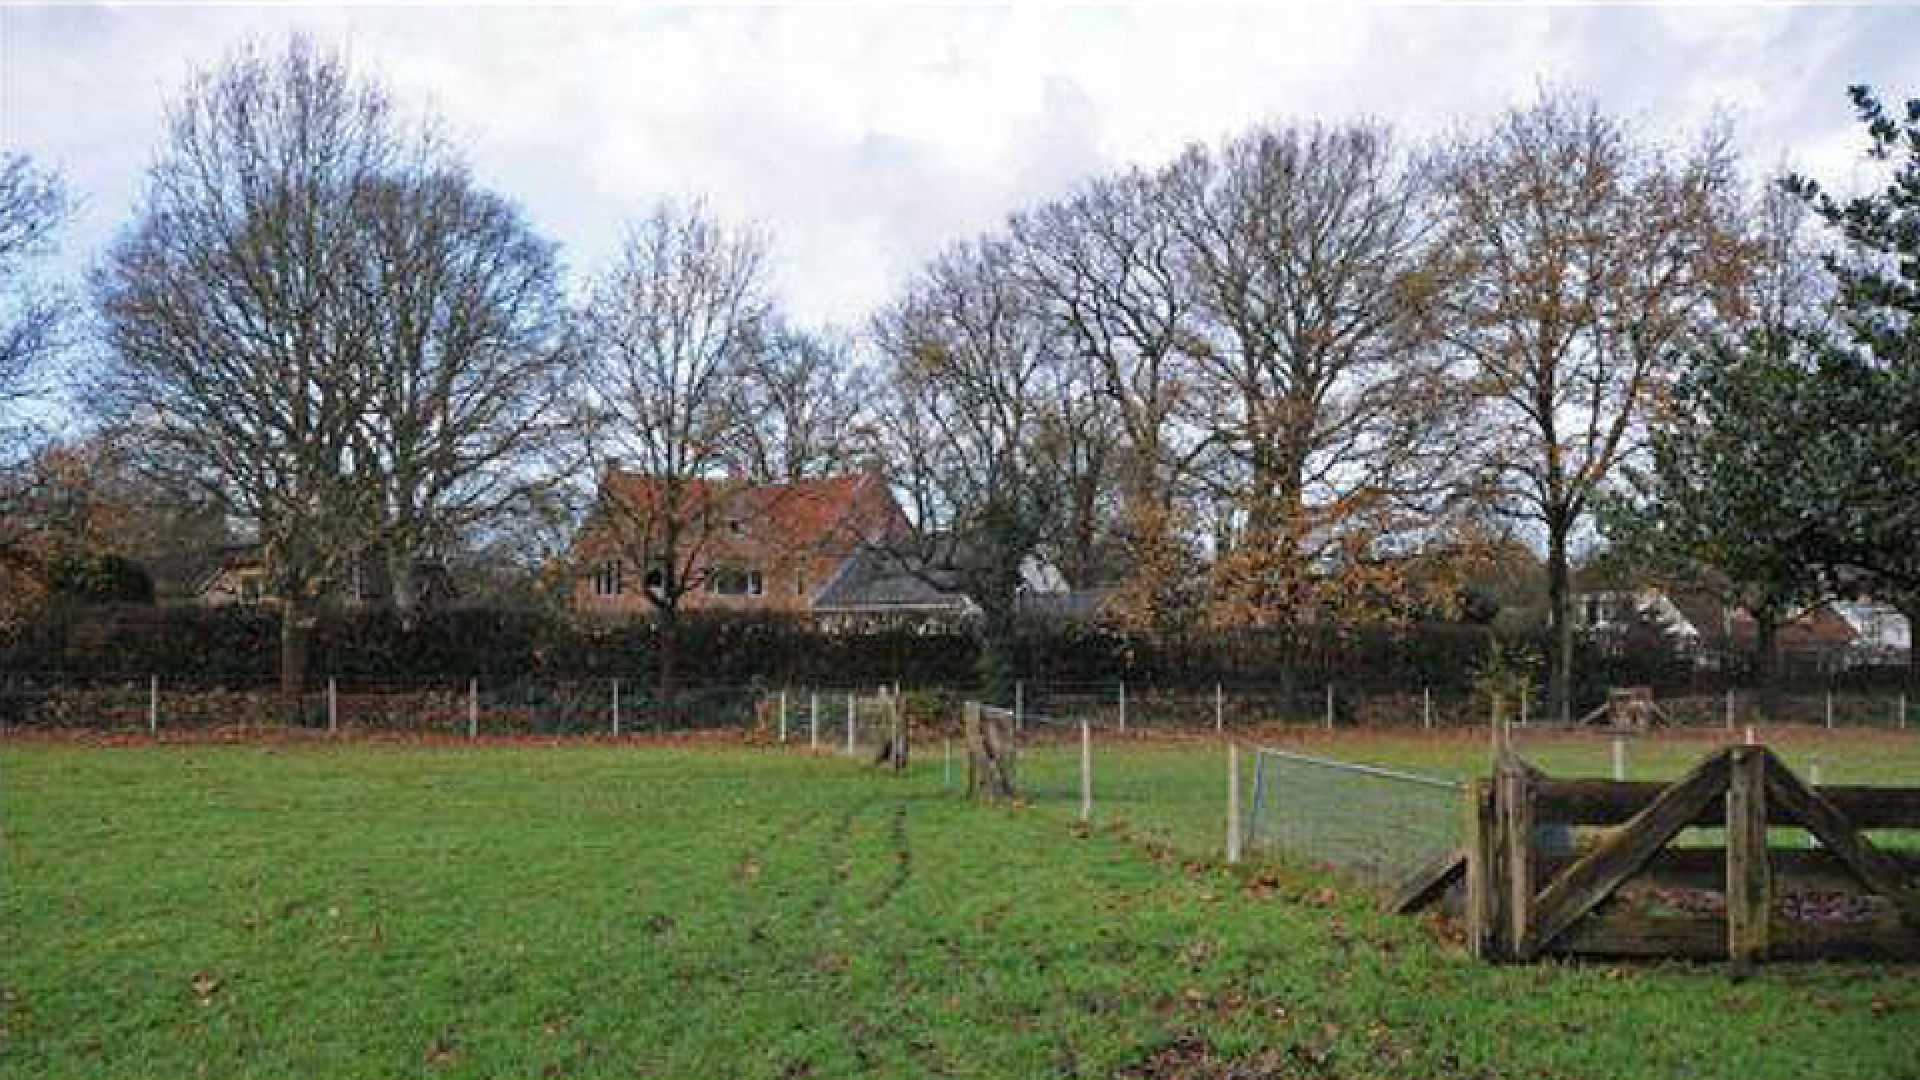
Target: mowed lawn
(367, 910)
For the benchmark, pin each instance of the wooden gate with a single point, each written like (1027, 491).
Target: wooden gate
(1591, 867)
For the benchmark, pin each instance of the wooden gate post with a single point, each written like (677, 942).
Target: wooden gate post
(1483, 929)
(1749, 882)
(1514, 782)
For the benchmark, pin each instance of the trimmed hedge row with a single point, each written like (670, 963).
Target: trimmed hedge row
(132, 641)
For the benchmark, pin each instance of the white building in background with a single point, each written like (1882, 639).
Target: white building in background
(1882, 635)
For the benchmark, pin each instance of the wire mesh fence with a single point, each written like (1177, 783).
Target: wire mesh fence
(1374, 823)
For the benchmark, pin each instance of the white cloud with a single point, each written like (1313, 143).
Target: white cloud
(865, 138)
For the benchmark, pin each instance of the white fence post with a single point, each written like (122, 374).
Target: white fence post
(153, 704)
(852, 722)
(1086, 771)
(616, 708)
(473, 708)
(1233, 802)
(1219, 709)
(1123, 706)
(1619, 758)
(813, 721)
(1426, 707)
(333, 705)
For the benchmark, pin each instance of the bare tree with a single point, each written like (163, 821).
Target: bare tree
(469, 368)
(803, 406)
(1327, 408)
(667, 334)
(1105, 267)
(33, 204)
(972, 435)
(239, 314)
(1581, 258)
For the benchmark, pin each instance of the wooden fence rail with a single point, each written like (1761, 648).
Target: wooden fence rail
(1592, 867)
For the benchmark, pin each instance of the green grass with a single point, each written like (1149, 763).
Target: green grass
(594, 910)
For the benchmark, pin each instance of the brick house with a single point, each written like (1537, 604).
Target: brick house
(753, 548)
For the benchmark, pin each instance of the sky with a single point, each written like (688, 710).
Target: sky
(861, 139)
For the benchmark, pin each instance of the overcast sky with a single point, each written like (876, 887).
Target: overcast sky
(864, 138)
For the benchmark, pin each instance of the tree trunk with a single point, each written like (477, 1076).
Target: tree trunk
(403, 588)
(1560, 622)
(1766, 635)
(667, 657)
(296, 634)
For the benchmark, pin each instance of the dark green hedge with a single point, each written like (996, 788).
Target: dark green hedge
(177, 642)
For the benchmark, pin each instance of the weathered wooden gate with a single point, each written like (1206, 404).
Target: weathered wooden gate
(1591, 867)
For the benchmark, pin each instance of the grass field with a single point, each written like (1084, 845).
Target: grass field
(374, 910)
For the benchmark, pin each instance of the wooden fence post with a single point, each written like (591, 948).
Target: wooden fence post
(1483, 929)
(1219, 709)
(853, 721)
(153, 704)
(1515, 783)
(473, 708)
(1123, 706)
(1019, 705)
(1749, 883)
(813, 721)
(1329, 706)
(1829, 710)
(1619, 758)
(333, 705)
(1426, 707)
(1233, 802)
(616, 708)
(1086, 771)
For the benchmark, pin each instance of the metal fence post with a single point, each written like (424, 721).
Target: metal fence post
(153, 704)
(1123, 706)
(1086, 771)
(1233, 802)
(1219, 709)
(333, 705)
(473, 708)
(616, 708)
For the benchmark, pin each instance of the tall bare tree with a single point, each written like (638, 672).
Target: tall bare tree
(671, 327)
(1581, 258)
(33, 204)
(973, 435)
(239, 315)
(803, 406)
(1326, 405)
(469, 368)
(1106, 268)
